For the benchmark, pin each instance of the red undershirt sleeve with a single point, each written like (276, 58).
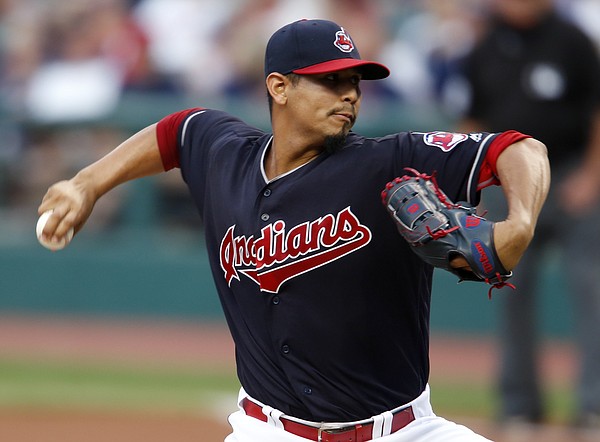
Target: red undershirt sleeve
(488, 175)
(167, 130)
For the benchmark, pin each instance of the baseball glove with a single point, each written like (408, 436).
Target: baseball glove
(439, 230)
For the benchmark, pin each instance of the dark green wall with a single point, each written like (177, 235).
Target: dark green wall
(149, 272)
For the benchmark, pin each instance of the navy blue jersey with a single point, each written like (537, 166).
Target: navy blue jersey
(327, 304)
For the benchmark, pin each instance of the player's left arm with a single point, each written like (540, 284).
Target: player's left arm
(524, 173)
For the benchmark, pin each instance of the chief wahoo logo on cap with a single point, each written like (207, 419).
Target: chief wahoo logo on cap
(343, 41)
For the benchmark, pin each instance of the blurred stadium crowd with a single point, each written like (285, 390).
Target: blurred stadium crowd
(67, 66)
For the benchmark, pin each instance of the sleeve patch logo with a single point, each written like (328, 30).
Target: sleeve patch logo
(445, 141)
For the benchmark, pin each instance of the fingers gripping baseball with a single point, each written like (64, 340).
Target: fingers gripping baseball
(70, 206)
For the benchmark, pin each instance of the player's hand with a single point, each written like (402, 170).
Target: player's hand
(460, 263)
(513, 242)
(511, 250)
(71, 203)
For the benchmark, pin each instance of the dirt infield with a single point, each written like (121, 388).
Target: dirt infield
(75, 426)
(192, 345)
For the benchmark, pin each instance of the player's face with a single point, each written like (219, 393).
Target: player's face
(327, 103)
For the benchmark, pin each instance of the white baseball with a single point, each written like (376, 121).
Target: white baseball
(50, 244)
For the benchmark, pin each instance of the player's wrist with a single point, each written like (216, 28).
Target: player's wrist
(91, 183)
(511, 239)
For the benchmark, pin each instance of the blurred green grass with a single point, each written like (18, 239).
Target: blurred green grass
(60, 385)
(479, 400)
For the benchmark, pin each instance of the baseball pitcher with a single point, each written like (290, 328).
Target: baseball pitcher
(322, 242)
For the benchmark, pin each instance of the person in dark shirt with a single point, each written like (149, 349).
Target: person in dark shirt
(535, 72)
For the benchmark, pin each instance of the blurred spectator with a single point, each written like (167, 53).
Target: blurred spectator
(125, 43)
(183, 41)
(22, 52)
(538, 73)
(75, 83)
(19, 57)
(66, 62)
(92, 51)
(432, 36)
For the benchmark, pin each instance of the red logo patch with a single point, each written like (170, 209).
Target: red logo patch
(472, 222)
(444, 140)
(343, 41)
(413, 208)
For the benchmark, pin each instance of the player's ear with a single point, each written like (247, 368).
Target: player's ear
(276, 85)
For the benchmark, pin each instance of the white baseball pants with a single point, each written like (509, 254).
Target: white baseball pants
(427, 427)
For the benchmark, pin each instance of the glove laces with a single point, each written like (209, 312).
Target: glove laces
(441, 195)
(498, 285)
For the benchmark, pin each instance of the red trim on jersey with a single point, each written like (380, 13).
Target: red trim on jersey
(489, 174)
(166, 135)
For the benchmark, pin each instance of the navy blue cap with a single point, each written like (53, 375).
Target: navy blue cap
(309, 47)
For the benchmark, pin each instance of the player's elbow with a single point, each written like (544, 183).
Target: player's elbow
(536, 147)
(528, 156)
(538, 156)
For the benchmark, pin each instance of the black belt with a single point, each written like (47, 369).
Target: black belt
(351, 433)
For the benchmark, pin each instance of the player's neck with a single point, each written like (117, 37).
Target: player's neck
(282, 158)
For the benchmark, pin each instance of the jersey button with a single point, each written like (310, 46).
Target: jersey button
(285, 349)
(307, 390)
(265, 217)
(275, 300)
(267, 192)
